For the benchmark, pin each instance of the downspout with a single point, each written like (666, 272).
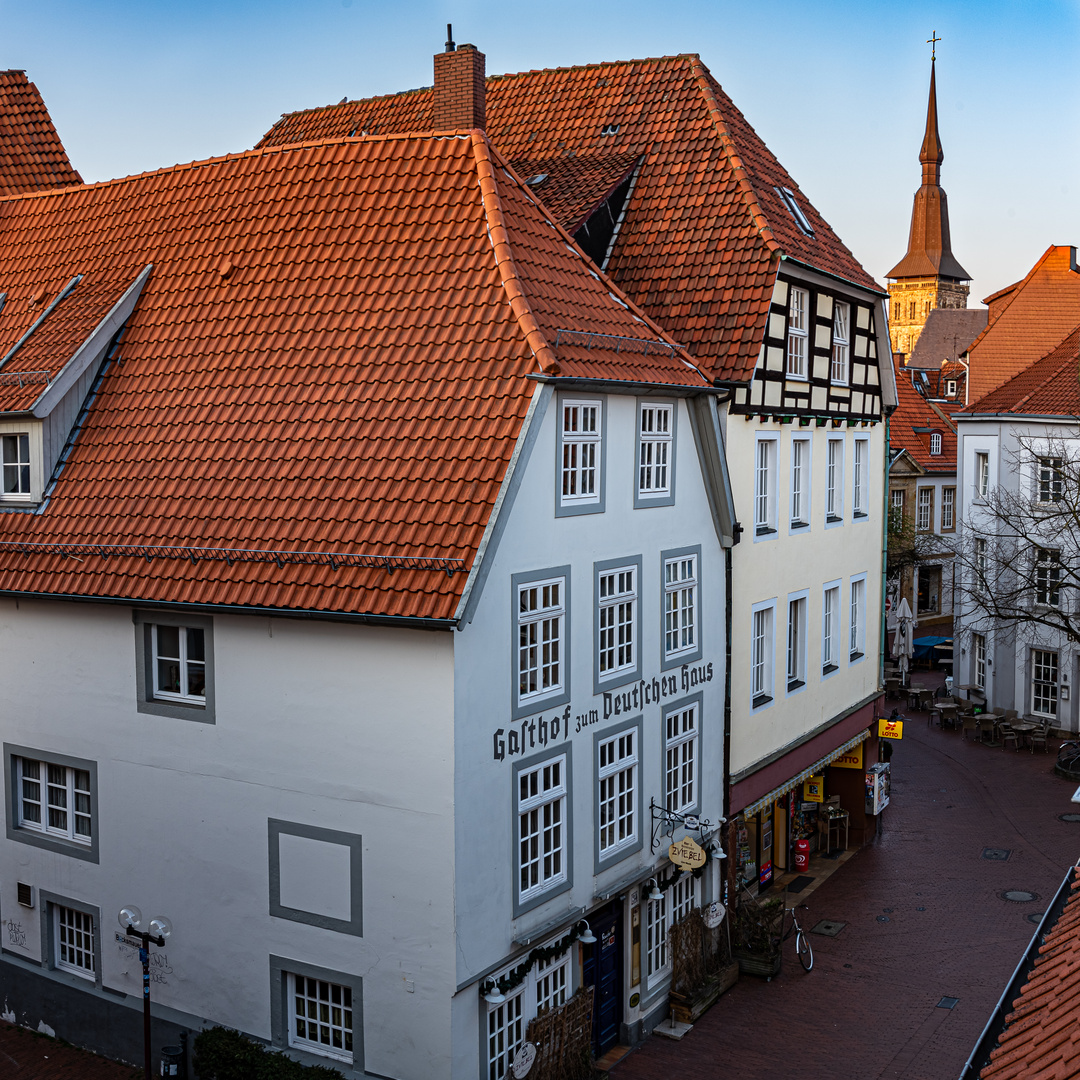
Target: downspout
(729, 848)
(884, 558)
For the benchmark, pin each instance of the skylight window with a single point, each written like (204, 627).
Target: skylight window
(537, 179)
(610, 129)
(787, 197)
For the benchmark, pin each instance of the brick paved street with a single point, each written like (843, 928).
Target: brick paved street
(868, 1009)
(26, 1055)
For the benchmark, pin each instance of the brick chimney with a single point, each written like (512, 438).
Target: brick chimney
(459, 88)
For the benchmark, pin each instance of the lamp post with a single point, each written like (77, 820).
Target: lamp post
(130, 918)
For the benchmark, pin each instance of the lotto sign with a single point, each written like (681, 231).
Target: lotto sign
(813, 790)
(853, 759)
(890, 729)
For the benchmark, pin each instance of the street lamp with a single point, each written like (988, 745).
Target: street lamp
(130, 918)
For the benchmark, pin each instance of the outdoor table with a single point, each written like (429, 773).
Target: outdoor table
(950, 715)
(970, 689)
(987, 721)
(1023, 730)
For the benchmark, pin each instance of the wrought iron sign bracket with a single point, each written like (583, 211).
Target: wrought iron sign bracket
(664, 823)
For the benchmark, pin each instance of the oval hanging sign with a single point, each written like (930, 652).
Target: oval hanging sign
(523, 1060)
(687, 854)
(714, 915)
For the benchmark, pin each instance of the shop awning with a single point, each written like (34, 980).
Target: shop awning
(795, 781)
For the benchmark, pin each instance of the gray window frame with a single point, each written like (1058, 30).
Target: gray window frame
(48, 902)
(600, 864)
(144, 672)
(527, 765)
(644, 501)
(599, 505)
(354, 842)
(692, 657)
(21, 835)
(619, 678)
(280, 968)
(538, 705)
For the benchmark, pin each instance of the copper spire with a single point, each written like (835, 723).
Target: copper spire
(929, 252)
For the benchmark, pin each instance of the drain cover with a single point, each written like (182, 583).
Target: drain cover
(1068, 817)
(1035, 917)
(828, 927)
(799, 883)
(883, 918)
(998, 853)
(920, 909)
(948, 1003)
(1018, 896)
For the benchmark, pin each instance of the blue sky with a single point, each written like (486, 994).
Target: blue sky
(837, 90)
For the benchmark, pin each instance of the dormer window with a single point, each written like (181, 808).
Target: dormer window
(15, 462)
(935, 443)
(950, 388)
(787, 197)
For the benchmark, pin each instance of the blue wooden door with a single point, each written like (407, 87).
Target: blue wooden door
(602, 969)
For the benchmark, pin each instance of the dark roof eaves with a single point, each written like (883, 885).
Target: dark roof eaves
(829, 274)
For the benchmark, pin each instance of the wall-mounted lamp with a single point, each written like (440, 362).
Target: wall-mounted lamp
(493, 995)
(588, 938)
(718, 851)
(654, 892)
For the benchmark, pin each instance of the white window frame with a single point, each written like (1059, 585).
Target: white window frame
(860, 472)
(682, 756)
(796, 641)
(1049, 480)
(20, 469)
(1045, 682)
(799, 506)
(924, 509)
(830, 628)
(542, 792)
(581, 452)
(1047, 577)
(857, 619)
(541, 649)
(896, 500)
(950, 388)
(834, 481)
(678, 900)
(798, 333)
(982, 474)
(935, 443)
(185, 664)
(841, 342)
(765, 473)
(980, 557)
(618, 793)
(978, 657)
(948, 509)
(324, 1019)
(762, 654)
(681, 585)
(655, 484)
(617, 621)
(74, 941)
(61, 791)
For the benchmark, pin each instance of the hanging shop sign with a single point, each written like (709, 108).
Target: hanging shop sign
(853, 759)
(523, 1060)
(813, 789)
(890, 729)
(714, 914)
(686, 854)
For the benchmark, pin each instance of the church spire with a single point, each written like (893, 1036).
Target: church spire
(929, 252)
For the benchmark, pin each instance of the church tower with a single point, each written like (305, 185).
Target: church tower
(928, 276)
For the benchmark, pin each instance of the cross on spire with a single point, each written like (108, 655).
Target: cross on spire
(932, 42)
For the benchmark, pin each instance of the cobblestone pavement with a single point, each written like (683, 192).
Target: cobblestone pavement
(26, 1055)
(924, 921)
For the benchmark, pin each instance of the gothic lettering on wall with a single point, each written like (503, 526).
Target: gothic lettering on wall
(541, 732)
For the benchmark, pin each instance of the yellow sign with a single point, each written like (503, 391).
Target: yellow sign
(851, 760)
(687, 854)
(890, 729)
(813, 790)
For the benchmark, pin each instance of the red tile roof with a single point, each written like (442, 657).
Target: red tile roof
(701, 242)
(32, 158)
(330, 355)
(1041, 1040)
(1026, 321)
(915, 419)
(1049, 387)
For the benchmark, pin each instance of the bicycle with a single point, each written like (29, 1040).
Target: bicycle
(803, 948)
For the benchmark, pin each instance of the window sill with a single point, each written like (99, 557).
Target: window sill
(760, 700)
(795, 684)
(832, 519)
(828, 669)
(855, 656)
(799, 525)
(798, 378)
(859, 514)
(764, 530)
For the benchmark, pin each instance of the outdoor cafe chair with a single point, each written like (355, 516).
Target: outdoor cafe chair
(1040, 735)
(1006, 734)
(969, 723)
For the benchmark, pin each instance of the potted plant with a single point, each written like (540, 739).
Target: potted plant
(757, 935)
(701, 967)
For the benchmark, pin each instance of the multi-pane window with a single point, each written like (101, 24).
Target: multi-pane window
(552, 982)
(15, 464)
(761, 656)
(798, 323)
(1044, 682)
(541, 812)
(506, 1033)
(858, 478)
(1048, 577)
(681, 758)
(765, 486)
(676, 903)
(980, 558)
(829, 619)
(1051, 479)
(654, 450)
(796, 643)
(321, 1017)
(978, 650)
(73, 941)
(179, 663)
(948, 509)
(897, 498)
(935, 443)
(834, 480)
(540, 636)
(617, 620)
(617, 794)
(800, 479)
(680, 605)
(982, 475)
(858, 618)
(54, 800)
(838, 370)
(924, 509)
(581, 452)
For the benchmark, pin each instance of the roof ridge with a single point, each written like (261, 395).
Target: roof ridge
(1016, 287)
(504, 258)
(700, 74)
